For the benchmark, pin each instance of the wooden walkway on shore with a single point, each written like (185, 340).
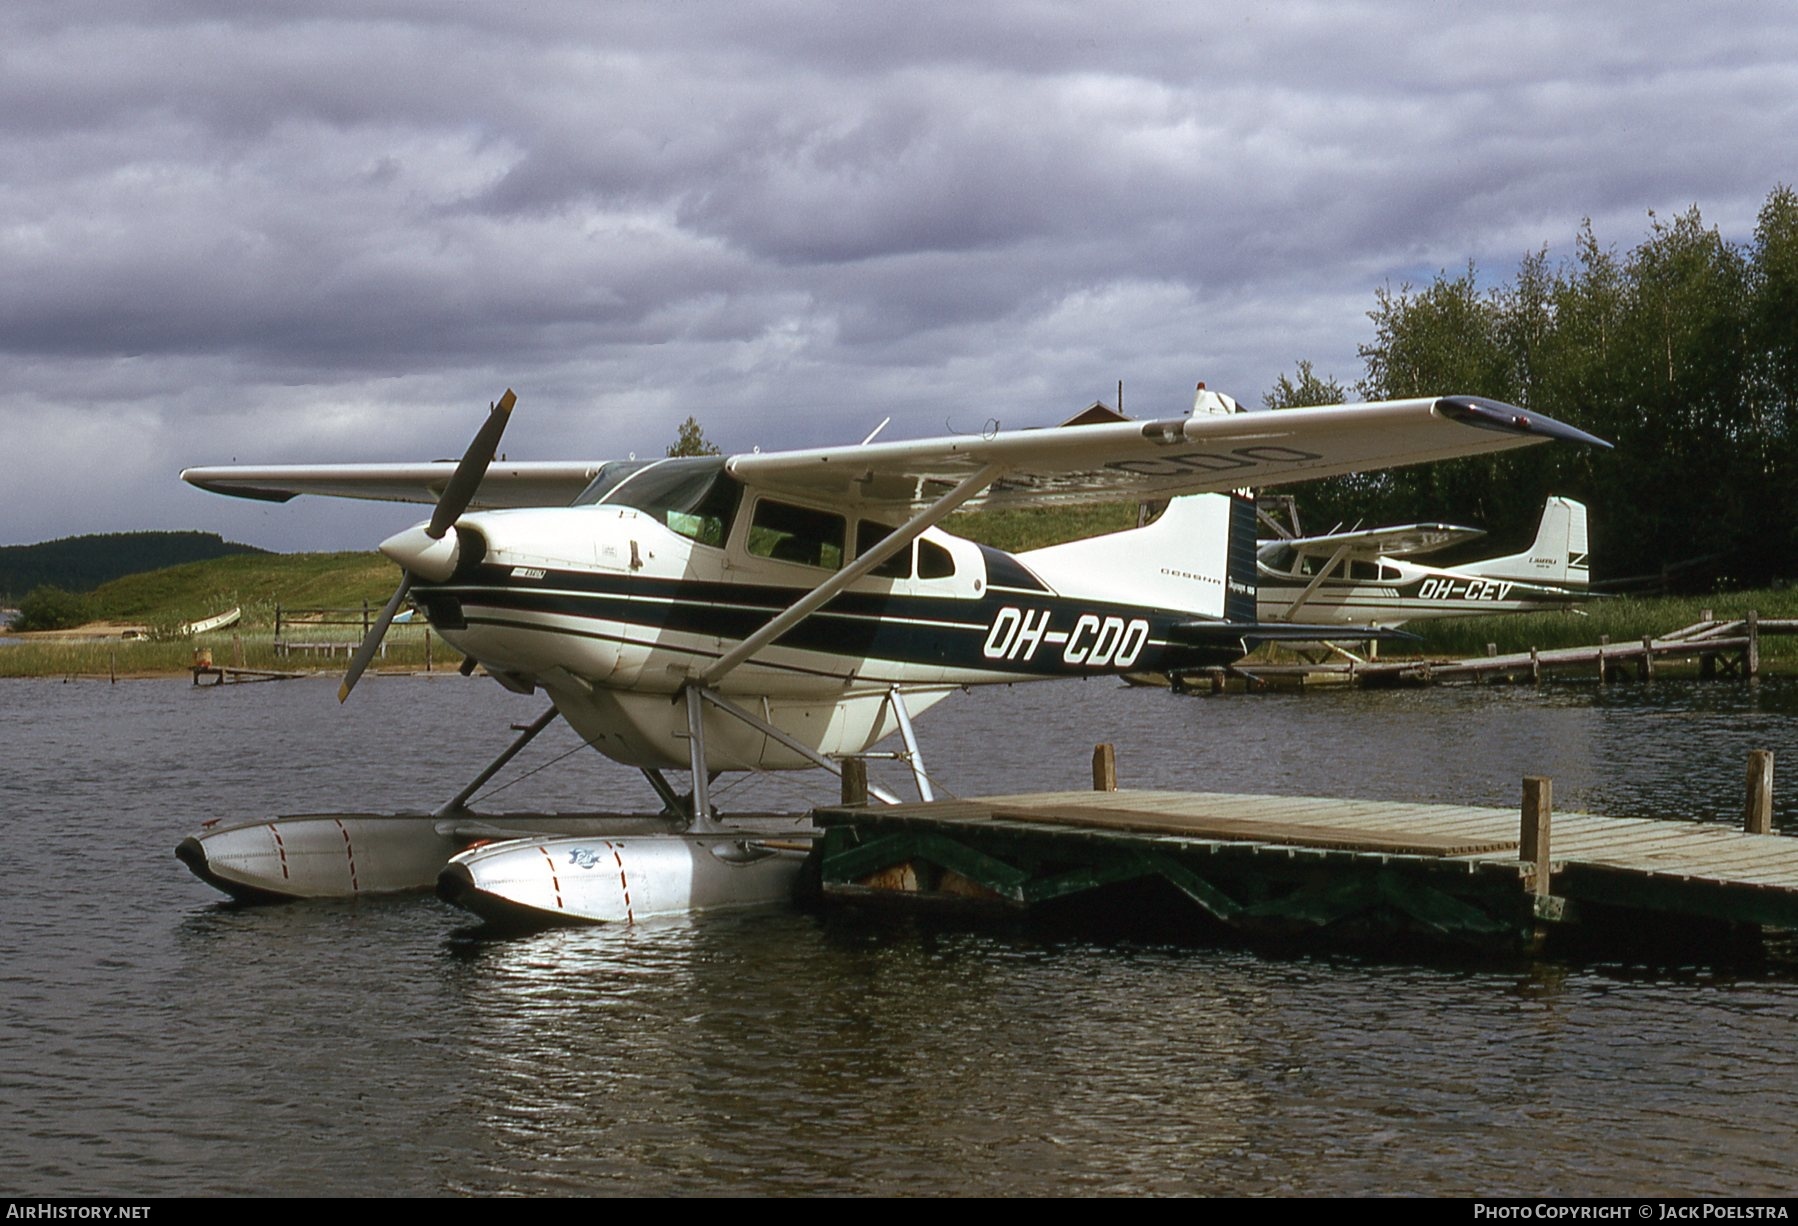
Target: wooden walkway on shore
(1328, 868)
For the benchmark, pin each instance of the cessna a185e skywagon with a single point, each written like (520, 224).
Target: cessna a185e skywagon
(1366, 578)
(783, 610)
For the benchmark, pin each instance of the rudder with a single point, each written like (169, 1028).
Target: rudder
(1559, 555)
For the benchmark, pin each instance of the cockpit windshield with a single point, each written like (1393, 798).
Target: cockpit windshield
(1281, 560)
(691, 495)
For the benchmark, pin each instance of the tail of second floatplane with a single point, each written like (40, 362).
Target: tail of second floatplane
(1557, 558)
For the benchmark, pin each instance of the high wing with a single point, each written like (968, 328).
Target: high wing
(1140, 461)
(1104, 462)
(1410, 540)
(531, 484)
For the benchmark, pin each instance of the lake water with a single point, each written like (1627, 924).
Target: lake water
(156, 1042)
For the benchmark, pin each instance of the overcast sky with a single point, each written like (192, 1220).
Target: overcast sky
(336, 231)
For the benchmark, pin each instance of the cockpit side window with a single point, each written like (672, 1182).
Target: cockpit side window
(692, 496)
(788, 533)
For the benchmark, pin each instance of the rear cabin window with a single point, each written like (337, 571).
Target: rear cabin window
(934, 562)
(788, 533)
(869, 534)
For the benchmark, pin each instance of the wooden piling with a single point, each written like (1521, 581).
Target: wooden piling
(1751, 655)
(1533, 838)
(1757, 817)
(1105, 768)
(855, 781)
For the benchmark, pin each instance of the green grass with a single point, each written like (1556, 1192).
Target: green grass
(255, 583)
(1016, 531)
(1623, 618)
(234, 648)
(229, 649)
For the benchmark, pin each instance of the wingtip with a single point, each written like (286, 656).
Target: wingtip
(1497, 415)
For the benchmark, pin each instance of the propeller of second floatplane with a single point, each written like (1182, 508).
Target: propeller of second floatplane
(431, 552)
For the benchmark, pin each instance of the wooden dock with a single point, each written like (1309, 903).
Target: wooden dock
(1329, 870)
(1720, 648)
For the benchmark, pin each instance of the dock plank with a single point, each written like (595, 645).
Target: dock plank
(1263, 827)
(1313, 823)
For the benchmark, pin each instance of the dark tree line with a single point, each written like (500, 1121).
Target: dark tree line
(1683, 353)
(82, 563)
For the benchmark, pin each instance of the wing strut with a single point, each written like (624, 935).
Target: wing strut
(1329, 568)
(821, 595)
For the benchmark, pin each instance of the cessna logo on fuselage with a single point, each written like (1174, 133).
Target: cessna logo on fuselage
(1094, 642)
(1471, 589)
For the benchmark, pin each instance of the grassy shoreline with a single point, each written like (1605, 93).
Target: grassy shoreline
(112, 657)
(1621, 619)
(353, 586)
(324, 649)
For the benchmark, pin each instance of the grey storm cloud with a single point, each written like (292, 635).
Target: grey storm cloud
(310, 231)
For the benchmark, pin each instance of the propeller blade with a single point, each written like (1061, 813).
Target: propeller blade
(450, 504)
(371, 642)
(473, 466)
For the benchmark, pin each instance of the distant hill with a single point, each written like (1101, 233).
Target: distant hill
(82, 563)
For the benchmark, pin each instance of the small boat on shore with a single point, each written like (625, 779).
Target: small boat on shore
(218, 622)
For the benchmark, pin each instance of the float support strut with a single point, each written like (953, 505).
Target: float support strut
(455, 803)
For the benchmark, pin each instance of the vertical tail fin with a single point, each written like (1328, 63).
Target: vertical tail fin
(1558, 556)
(1197, 557)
